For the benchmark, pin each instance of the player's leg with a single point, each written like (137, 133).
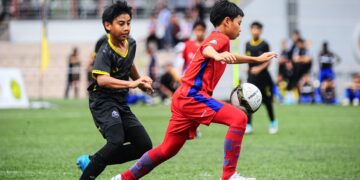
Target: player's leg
(135, 133)
(115, 139)
(356, 97)
(249, 127)
(170, 147)
(268, 102)
(140, 143)
(236, 120)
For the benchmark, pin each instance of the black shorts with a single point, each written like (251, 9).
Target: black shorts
(108, 111)
(264, 82)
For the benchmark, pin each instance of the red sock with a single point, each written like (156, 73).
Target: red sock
(236, 120)
(232, 147)
(170, 146)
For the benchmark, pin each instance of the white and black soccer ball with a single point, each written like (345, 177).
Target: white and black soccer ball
(246, 96)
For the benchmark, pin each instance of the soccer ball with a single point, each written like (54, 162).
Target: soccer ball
(246, 96)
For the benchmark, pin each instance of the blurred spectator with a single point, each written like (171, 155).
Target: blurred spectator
(73, 79)
(306, 91)
(172, 32)
(169, 82)
(294, 37)
(302, 61)
(327, 91)
(163, 20)
(284, 69)
(187, 27)
(152, 37)
(192, 45)
(153, 62)
(259, 75)
(327, 60)
(352, 92)
(200, 9)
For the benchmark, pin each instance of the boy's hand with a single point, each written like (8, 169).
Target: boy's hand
(141, 80)
(147, 87)
(266, 56)
(225, 57)
(145, 84)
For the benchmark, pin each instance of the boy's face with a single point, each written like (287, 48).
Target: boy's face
(300, 45)
(295, 36)
(255, 31)
(356, 79)
(233, 27)
(199, 32)
(120, 27)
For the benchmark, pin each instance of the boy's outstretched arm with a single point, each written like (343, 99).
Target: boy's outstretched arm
(230, 58)
(210, 52)
(249, 59)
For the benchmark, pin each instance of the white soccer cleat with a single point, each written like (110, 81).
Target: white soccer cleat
(117, 177)
(236, 176)
(356, 102)
(249, 129)
(273, 127)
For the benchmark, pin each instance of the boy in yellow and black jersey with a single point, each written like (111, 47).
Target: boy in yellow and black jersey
(113, 68)
(260, 76)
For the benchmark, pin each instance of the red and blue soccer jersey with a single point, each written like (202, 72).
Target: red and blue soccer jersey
(189, 52)
(192, 103)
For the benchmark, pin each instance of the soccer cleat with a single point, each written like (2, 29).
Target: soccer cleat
(355, 102)
(273, 127)
(249, 129)
(82, 162)
(236, 176)
(117, 177)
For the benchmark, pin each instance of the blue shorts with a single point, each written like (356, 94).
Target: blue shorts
(327, 73)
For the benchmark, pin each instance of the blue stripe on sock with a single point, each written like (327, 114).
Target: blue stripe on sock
(228, 145)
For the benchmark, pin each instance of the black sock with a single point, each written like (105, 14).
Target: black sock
(101, 158)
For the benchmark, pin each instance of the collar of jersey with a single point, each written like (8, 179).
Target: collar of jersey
(256, 43)
(117, 51)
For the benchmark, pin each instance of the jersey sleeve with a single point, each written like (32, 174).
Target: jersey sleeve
(267, 47)
(102, 65)
(247, 49)
(217, 42)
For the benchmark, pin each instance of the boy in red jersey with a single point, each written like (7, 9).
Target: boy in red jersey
(192, 103)
(192, 45)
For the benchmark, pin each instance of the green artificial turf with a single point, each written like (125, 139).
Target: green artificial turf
(314, 142)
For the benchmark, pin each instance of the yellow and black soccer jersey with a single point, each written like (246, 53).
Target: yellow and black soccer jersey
(256, 48)
(109, 61)
(101, 41)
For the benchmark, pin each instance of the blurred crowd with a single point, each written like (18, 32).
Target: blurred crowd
(182, 33)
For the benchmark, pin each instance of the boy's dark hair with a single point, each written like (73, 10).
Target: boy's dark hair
(300, 40)
(113, 11)
(256, 24)
(199, 23)
(223, 9)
